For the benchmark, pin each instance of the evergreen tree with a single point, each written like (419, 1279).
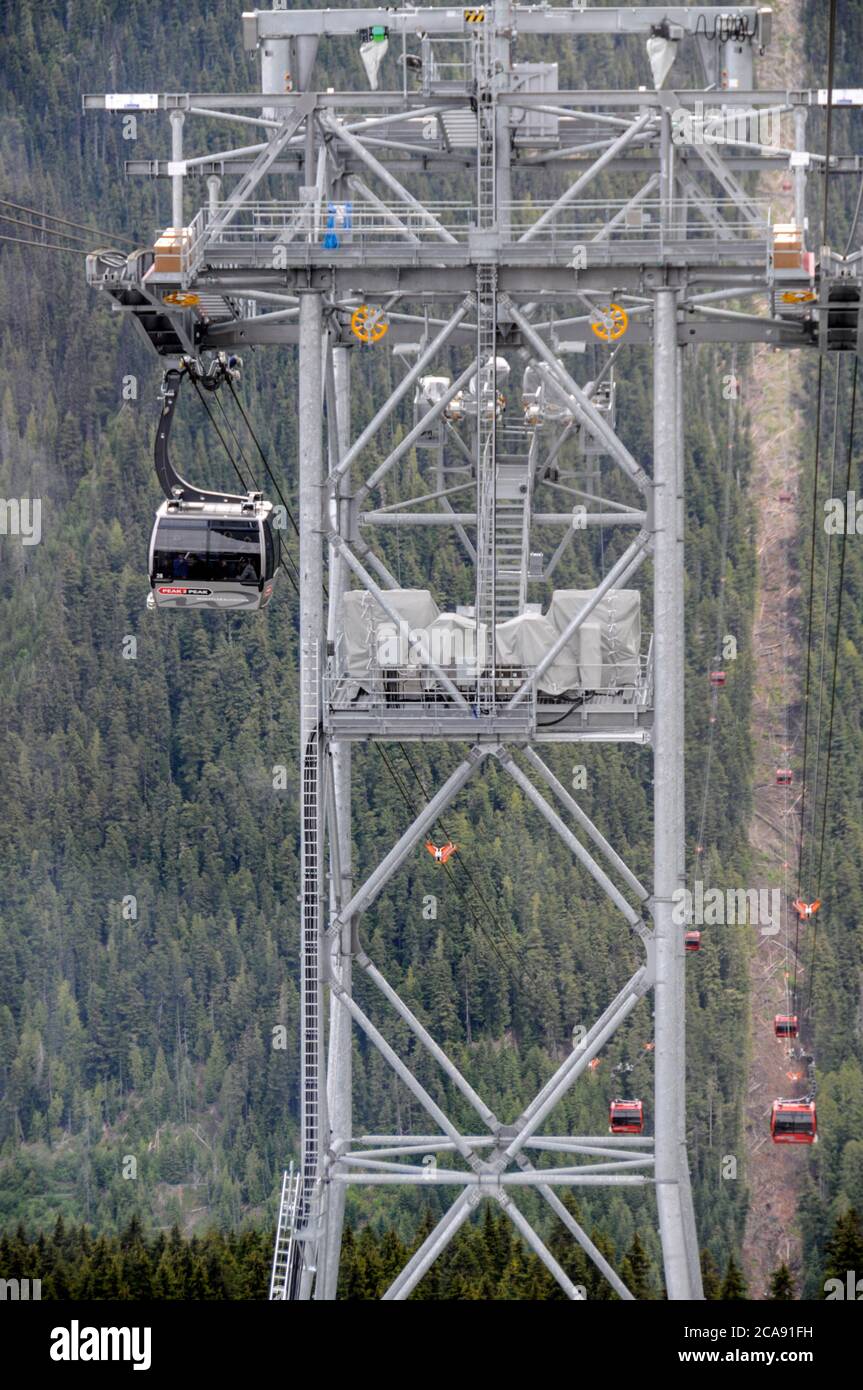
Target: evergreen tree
(781, 1285)
(733, 1285)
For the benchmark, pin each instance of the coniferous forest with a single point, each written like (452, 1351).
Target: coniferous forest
(149, 846)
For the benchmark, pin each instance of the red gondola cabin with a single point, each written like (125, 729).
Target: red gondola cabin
(793, 1122)
(785, 1025)
(626, 1117)
(692, 942)
(784, 776)
(717, 677)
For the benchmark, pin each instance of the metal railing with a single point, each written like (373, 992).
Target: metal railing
(389, 700)
(260, 229)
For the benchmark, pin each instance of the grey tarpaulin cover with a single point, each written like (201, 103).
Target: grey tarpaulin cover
(454, 647)
(618, 617)
(602, 655)
(524, 641)
(367, 627)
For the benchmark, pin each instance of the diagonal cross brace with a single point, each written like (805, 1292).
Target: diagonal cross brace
(405, 845)
(250, 180)
(597, 874)
(586, 823)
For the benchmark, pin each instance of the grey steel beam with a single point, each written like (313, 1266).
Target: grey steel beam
(639, 983)
(566, 1075)
(527, 19)
(356, 185)
(339, 1051)
(407, 842)
(400, 391)
(584, 858)
(587, 177)
(433, 413)
(529, 1235)
(391, 182)
(419, 1031)
(580, 403)
(450, 518)
(436, 1241)
(291, 163)
(580, 1235)
(586, 823)
(448, 1177)
(249, 182)
(672, 1171)
(404, 1074)
(382, 101)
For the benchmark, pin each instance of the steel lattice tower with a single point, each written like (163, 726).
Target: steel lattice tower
(358, 243)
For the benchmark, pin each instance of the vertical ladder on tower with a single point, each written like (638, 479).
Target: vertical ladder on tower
(486, 382)
(284, 1280)
(514, 480)
(311, 1021)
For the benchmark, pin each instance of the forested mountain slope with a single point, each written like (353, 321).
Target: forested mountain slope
(144, 1030)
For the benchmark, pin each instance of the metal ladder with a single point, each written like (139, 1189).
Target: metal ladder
(511, 533)
(486, 382)
(295, 1234)
(286, 1264)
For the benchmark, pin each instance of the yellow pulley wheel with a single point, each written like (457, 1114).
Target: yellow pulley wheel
(799, 296)
(182, 301)
(611, 323)
(368, 324)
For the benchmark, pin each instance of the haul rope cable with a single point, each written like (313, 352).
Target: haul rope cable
(283, 553)
(825, 614)
(831, 46)
(243, 482)
(720, 619)
(830, 493)
(465, 869)
(45, 245)
(53, 217)
(54, 231)
(247, 422)
(841, 589)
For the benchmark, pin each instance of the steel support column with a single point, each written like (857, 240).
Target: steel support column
(672, 1169)
(339, 1052)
